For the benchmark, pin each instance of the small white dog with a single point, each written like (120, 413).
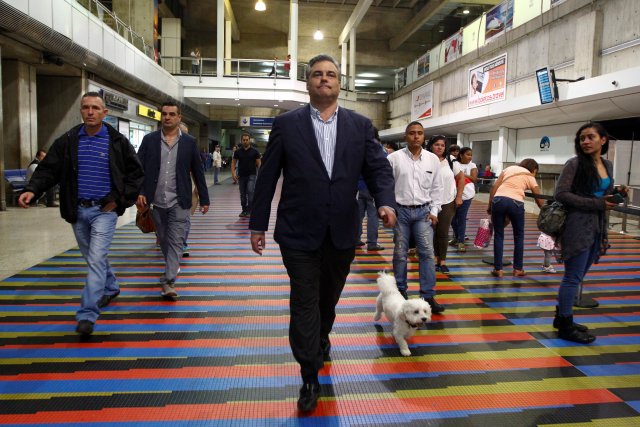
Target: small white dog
(405, 315)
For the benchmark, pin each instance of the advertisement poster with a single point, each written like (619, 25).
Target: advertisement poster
(453, 47)
(498, 20)
(488, 82)
(423, 65)
(422, 102)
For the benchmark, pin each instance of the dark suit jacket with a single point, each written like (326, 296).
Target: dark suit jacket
(313, 204)
(188, 163)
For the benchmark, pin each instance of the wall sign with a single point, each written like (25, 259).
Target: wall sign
(116, 101)
(422, 102)
(149, 112)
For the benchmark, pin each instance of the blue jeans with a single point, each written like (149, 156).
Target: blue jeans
(94, 231)
(502, 208)
(459, 221)
(366, 204)
(247, 185)
(216, 172)
(416, 223)
(575, 268)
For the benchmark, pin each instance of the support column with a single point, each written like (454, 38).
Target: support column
(220, 39)
(506, 146)
(587, 46)
(227, 46)
(343, 60)
(172, 45)
(293, 39)
(3, 194)
(139, 15)
(20, 127)
(352, 60)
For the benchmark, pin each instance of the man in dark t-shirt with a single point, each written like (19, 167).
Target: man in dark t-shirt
(247, 159)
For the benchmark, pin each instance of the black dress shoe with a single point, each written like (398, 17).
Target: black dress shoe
(325, 346)
(435, 307)
(404, 294)
(308, 399)
(84, 328)
(375, 248)
(106, 299)
(360, 244)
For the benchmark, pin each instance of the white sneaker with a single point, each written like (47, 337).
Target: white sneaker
(548, 269)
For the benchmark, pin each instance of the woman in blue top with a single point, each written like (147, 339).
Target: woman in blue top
(584, 188)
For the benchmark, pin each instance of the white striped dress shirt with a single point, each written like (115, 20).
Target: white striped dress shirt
(326, 136)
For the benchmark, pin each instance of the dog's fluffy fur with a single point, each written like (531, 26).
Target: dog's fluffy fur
(405, 315)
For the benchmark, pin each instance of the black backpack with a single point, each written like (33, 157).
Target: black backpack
(552, 218)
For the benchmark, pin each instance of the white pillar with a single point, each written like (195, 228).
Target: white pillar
(343, 60)
(227, 46)
(220, 39)
(352, 60)
(293, 39)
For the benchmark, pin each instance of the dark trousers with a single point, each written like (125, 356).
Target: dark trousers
(441, 236)
(247, 185)
(501, 209)
(317, 279)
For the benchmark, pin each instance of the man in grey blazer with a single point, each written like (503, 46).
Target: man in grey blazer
(321, 150)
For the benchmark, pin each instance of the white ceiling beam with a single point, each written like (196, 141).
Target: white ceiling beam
(354, 20)
(228, 16)
(396, 3)
(426, 13)
(380, 1)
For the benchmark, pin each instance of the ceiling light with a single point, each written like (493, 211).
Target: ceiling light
(465, 11)
(208, 103)
(260, 6)
(374, 75)
(318, 35)
(441, 29)
(364, 82)
(237, 99)
(381, 92)
(275, 105)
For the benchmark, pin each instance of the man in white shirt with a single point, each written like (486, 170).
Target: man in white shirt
(418, 190)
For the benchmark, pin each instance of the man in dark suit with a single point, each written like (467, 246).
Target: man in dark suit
(169, 158)
(321, 150)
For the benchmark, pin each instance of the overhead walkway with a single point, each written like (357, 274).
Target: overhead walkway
(220, 355)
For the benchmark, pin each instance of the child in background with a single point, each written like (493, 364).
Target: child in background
(548, 245)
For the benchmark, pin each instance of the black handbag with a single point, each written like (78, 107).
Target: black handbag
(552, 218)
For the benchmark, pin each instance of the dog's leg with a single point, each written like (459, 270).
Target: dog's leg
(378, 308)
(402, 342)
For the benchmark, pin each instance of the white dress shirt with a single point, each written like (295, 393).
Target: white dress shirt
(418, 181)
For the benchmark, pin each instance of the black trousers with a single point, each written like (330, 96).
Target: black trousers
(317, 279)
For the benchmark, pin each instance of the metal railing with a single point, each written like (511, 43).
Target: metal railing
(239, 68)
(119, 26)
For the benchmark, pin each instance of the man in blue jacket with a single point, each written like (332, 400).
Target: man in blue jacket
(169, 158)
(321, 150)
(99, 176)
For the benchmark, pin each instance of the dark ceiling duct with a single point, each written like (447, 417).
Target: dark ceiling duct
(58, 46)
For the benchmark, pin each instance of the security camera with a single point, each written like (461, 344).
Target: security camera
(52, 58)
(615, 83)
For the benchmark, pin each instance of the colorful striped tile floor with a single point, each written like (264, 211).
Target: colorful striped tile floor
(220, 355)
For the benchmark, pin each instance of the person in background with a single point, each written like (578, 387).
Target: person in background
(459, 222)
(320, 150)
(368, 208)
(390, 147)
(195, 62)
(287, 66)
(50, 195)
(453, 152)
(586, 190)
(487, 172)
(169, 158)
(247, 160)
(506, 202)
(418, 190)
(453, 186)
(100, 177)
(217, 165)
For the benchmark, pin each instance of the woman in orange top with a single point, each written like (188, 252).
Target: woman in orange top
(507, 201)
